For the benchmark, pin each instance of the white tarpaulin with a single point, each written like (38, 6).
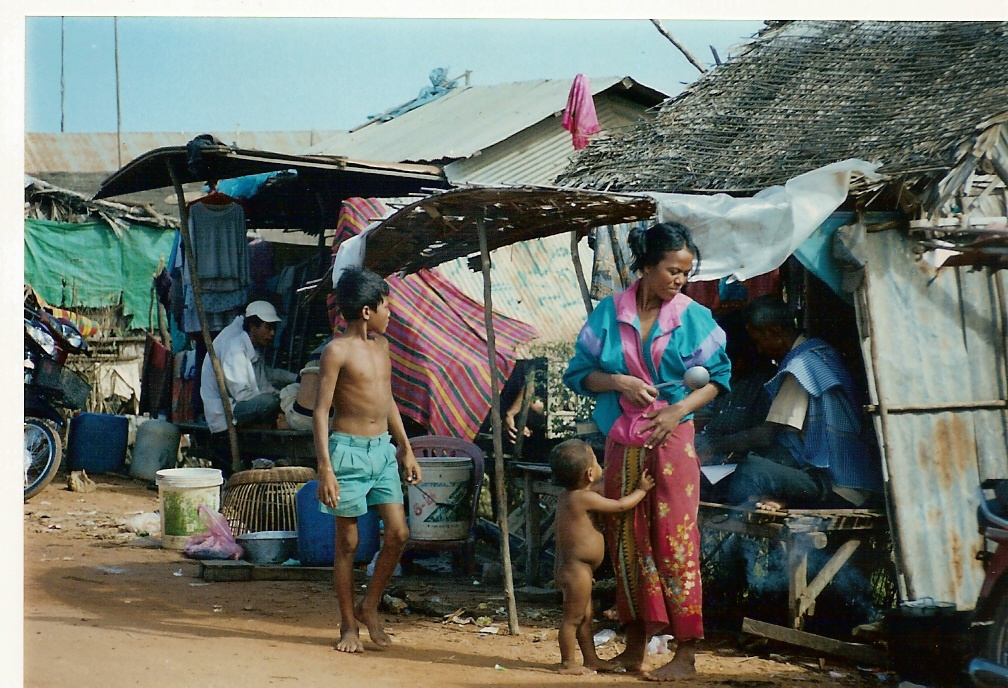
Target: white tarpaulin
(746, 237)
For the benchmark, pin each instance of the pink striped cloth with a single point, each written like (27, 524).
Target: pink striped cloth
(579, 118)
(437, 342)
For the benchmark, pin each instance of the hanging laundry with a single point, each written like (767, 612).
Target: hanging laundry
(579, 118)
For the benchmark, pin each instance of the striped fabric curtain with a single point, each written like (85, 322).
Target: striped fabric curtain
(437, 341)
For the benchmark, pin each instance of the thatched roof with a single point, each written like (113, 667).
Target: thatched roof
(804, 94)
(44, 201)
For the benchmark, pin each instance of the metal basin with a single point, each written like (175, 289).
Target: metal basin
(269, 546)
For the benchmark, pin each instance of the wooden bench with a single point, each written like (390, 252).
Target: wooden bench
(800, 530)
(296, 446)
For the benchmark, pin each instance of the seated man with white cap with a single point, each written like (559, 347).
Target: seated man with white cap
(253, 387)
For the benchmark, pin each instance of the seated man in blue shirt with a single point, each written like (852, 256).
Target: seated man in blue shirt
(811, 451)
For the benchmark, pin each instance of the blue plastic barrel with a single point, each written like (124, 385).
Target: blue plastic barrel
(97, 443)
(316, 530)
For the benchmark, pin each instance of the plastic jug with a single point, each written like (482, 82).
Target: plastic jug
(316, 530)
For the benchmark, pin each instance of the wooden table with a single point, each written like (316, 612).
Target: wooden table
(799, 530)
(537, 482)
(296, 446)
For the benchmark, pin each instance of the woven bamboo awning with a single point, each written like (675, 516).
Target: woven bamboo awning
(443, 227)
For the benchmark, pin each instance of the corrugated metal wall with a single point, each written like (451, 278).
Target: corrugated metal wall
(533, 281)
(935, 340)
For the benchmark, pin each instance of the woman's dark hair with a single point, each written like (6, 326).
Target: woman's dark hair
(358, 287)
(650, 245)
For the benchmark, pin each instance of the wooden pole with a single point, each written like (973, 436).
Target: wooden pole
(682, 48)
(498, 445)
(576, 257)
(198, 302)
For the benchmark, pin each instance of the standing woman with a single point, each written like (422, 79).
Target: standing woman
(632, 342)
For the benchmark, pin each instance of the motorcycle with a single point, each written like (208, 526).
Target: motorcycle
(990, 621)
(50, 391)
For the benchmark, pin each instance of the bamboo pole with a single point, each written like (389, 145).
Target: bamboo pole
(198, 302)
(576, 257)
(499, 489)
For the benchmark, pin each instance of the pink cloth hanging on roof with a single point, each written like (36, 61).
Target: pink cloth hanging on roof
(579, 118)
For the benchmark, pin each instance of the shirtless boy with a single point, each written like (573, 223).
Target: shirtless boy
(357, 463)
(580, 546)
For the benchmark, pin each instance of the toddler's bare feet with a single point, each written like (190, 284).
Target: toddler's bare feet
(350, 639)
(374, 627)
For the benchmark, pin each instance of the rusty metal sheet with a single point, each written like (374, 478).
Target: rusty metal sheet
(934, 345)
(533, 281)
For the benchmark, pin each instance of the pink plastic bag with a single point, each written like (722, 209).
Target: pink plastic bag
(218, 542)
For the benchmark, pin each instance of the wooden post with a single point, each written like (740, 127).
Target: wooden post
(499, 489)
(198, 302)
(528, 391)
(576, 257)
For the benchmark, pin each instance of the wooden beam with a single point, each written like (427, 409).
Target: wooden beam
(856, 652)
(807, 599)
(498, 446)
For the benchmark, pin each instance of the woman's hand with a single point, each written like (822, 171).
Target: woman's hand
(663, 422)
(636, 391)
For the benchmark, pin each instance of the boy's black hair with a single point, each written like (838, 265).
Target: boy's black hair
(358, 287)
(569, 461)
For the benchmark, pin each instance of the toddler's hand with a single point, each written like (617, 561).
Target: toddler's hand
(646, 482)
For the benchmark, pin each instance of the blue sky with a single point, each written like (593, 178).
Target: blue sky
(267, 74)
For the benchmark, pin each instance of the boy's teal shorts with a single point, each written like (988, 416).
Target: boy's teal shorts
(367, 472)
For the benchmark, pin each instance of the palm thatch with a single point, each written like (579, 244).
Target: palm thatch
(804, 94)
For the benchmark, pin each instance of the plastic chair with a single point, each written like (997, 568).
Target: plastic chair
(435, 446)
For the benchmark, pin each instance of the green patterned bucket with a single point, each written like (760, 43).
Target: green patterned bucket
(440, 506)
(181, 491)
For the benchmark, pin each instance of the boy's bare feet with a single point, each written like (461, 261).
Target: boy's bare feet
(682, 665)
(350, 639)
(374, 627)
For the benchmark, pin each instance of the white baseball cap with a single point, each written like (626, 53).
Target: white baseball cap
(263, 310)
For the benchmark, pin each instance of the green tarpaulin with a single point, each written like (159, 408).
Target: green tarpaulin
(89, 265)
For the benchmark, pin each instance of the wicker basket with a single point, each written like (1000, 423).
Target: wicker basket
(263, 499)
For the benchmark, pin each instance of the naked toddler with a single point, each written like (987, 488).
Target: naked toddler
(580, 546)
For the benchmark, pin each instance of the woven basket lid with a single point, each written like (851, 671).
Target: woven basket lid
(283, 474)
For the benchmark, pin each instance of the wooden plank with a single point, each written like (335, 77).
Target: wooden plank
(219, 571)
(807, 598)
(856, 652)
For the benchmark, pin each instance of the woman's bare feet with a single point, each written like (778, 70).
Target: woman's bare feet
(575, 670)
(600, 665)
(374, 626)
(630, 661)
(683, 664)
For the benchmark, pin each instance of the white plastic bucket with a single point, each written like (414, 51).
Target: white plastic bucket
(181, 491)
(440, 505)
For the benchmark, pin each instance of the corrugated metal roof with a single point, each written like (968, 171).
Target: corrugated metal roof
(536, 155)
(74, 152)
(939, 341)
(464, 122)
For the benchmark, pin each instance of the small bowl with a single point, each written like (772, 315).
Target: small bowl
(269, 546)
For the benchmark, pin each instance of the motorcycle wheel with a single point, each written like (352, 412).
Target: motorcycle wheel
(43, 454)
(995, 646)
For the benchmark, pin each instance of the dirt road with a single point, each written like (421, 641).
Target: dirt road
(103, 607)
